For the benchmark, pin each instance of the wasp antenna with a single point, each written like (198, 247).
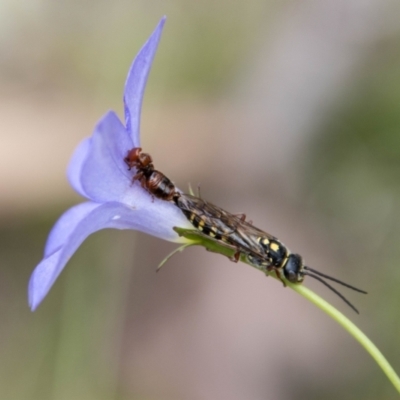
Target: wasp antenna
(318, 278)
(335, 280)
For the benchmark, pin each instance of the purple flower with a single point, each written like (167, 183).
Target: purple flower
(98, 172)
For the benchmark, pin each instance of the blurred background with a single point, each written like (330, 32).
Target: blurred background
(287, 111)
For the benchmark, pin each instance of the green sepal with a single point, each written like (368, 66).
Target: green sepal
(199, 239)
(178, 250)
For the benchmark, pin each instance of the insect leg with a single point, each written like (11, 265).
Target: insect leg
(235, 258)
(278, 273)
(138, 177)
(144, 184)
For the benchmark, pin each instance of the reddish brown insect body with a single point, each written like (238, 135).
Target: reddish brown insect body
(155, 182)
(135, 158)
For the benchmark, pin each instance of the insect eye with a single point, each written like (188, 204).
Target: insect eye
(291, 276)
(293, 269)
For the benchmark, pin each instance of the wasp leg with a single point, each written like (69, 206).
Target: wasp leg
(241, 216)
(278, 274)
(235, 258)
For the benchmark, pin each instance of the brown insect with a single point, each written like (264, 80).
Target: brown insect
(155, 182)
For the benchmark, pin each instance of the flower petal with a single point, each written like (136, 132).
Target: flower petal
(136, 83)
(42, 279)
(156, 219)
(66, 224)
(75, 165)
(104, 174)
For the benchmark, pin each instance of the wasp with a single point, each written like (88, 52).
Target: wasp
(155, 182)
(260, 248)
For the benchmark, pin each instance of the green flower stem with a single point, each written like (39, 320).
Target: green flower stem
(197, 238)
(353, 330)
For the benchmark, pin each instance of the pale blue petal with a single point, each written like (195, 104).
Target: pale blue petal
(42, 279)
(156, 217)
(66, 225)
(75, 165)
(149, 218)
(104, 174)
(136, 83)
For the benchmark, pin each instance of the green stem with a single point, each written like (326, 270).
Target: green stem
(353, 330)
(197, 238)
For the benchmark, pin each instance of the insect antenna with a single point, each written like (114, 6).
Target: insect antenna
(334, 280)
(318, 278)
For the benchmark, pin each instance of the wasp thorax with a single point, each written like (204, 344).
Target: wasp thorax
(293, 269)
(276, 251)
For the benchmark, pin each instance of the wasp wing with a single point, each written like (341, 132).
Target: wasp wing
(224, 226)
